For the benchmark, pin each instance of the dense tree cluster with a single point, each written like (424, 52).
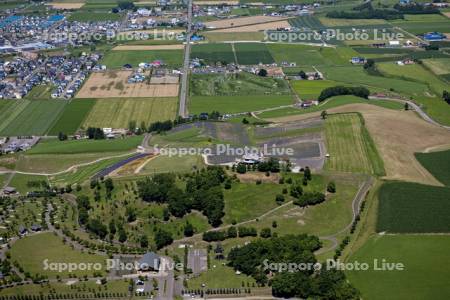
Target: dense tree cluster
(203, 192)
(253, 258)
(446, 97)
(344, 90)
(310, 198)
(95, 133)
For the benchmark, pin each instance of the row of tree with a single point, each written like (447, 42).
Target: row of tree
(344, 90)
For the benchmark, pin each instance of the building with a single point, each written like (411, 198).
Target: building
(358, 60)
(9, 190)
(149, 262)
(434, 36)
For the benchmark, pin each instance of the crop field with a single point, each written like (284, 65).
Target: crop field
(72, 117)
(424, 275)
(114, 84)
(438, 164)
(414, 72)
(236, 84)
(413, 208)
(40, 92)
(311, 89)
(33, 118)
(48, 246)
(237, 22)
(356, 75)
(311, 22)
(235, 104)
(350, 146)
(330, 22)
(421, 27)
(116, 59)
(213, 53)
(84, 16)
(252, 54)
(54, 146)
(214, 36)
(118, 112)
(306, 55)
(439, 66)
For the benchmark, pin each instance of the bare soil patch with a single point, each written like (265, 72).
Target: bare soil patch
(207, 2)
(149, 47)
(236, 22)
(61, 5)
(256, 27)
(397, 135)
(253, 177)
(115, 84)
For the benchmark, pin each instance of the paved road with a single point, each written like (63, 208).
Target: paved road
(182, 110)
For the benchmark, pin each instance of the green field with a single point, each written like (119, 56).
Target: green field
(350, 146)
(40, 92)
(252, 54)
(304, 55)
(424, 257)
(311, 89)
(235, 104)
(238, 84)
(329, 103)
(55, 146)
(181, 164)
(439, 66)
(30, 117)
(213, 53)
(413, 208)
(116, 59)
(438, 164)
(73, 116)
(118, 112)
(311, 22)
(85, 16)
(48, 246)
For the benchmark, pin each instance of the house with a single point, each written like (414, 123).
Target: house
(36, 227)
(309, 103)
(251, 158)
(22, 230)
(149, 262)
(9, 190)
(358, 60)
(203, 116)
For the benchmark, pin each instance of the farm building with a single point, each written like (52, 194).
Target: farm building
(434, 36)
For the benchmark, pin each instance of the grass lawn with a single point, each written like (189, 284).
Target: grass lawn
(116, 59)
(439, 66)
(72, 117)
(413, 208)
(54, 146)
(425, 276)
(311, 89)
(20, 182)
(350, 146)
(235, 104)
(236, 84)
(32, 117)
(164, 164)
(48, 246)
(438, 163)
(245, 201)
(118, 112)
(436, 108)
(40, 92)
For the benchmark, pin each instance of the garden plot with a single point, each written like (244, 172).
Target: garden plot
(115, 84)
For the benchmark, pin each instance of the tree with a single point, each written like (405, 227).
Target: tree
(245, 121)
(324, 114)
(231, 232)
(307, 173)
(131, 214)
(331, 187)
(132, 126)
(122, 235)
(265, 233)
(262, 73)
(188, 229)
(241, 168)
(62, 136)
(163, 238)
(296, 190)
(279, 199)
(143, 241)
(302, 74)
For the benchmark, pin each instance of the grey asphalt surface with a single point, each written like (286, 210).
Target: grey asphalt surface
(182, 110)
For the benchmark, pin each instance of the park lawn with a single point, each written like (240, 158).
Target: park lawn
(20, 182)
(414, 72)
(34, 119)
(87, 288)
(350, 146)
(437, 163)
(246, 201)
(72, 117)
(236, 104)
(413, 208)
(323, 219)
(424, 258)
(327, 104)
(356, 75)
(55, 146)
(89, 16)
(47, 246)
(117, 58)
(167, 164)
(118, 112)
